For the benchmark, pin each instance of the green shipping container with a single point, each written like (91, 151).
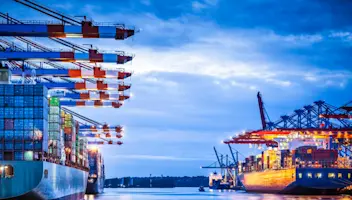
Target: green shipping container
(28, 155)
(54, 101)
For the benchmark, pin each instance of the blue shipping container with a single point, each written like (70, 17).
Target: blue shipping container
(2, 87)
(18, 135)
(18, 146)
(38, 101)
(8, 135)
(9, 145)
(19, 101)
(28, 134)
(19, 124)
(39, 124)
(18, 112)
(37, 145)
(28, 113)
(18, 155)
(18, 90)
(28, 101)
(28, 145)
(28, 90)
(9, 101)
(9, 113)
(40, 90)
(2, 101)
(2, 124)
(9, 90)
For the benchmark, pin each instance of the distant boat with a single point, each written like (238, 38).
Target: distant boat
(201, 189)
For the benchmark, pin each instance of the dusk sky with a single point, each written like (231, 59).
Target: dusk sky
(199, 64)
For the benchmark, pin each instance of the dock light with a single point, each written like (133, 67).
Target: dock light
(93, 148)
(6, 167)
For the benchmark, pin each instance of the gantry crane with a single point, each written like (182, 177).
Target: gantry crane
(84, 83)
(318, 121)
(92, 129)
(78, 73)
(66, 27)
(228, 168)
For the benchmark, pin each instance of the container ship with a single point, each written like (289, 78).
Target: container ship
(305, 170)
(307, 152)
(96, 177)
(43, 144)
(37, 159)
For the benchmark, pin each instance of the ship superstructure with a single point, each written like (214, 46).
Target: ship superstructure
(96, 177)
(308, 152)
(45, 148)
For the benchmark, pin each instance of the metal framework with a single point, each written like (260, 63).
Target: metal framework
(319, 120)
(77, 82)
(64, 28)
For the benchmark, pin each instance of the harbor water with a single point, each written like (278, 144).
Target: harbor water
(193, 194)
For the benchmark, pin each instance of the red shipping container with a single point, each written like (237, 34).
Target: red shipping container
(325, 154)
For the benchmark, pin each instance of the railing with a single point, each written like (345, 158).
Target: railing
(42, 22)
(16, 49)
(54, 22)
(118, 25)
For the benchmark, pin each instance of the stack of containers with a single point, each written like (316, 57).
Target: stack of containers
(82, 152)
(23, 122)
(75, 135)
(55, 145)
(69, 127)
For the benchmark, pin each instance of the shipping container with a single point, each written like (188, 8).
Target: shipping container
(9, 90)
(28, 155)
(54, 101)
(18, 90)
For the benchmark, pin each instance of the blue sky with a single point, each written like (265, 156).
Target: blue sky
(198, 67)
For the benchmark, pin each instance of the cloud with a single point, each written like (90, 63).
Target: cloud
(279, 82)
(64, 6)
(196, 5)
(201, 5)
(254, 58)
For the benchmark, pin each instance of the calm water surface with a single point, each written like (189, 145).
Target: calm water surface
(192, 193)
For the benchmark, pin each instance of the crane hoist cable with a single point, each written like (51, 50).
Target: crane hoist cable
(49, 12)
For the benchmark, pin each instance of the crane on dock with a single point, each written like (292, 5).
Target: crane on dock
(71, 75)
(228, 171)
(318, 121)
(65, 27)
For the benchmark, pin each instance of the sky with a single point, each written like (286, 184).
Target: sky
(198, 66)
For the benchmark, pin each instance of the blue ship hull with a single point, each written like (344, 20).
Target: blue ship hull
(43, 180)
(95, 186)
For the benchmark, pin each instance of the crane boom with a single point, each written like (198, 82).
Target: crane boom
(261, 109)
(218, 158)
(36, 6)
(233, 156)
(86, 119)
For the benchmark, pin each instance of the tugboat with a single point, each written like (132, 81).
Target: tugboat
(201, 189)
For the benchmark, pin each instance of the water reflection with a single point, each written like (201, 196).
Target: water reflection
(193, 194)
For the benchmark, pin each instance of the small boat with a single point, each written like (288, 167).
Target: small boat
(201, 189)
